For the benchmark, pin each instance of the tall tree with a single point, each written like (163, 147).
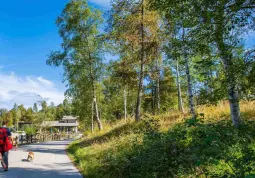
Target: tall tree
(124, 75)
(35, 107)
(81, 55)
(225, 21)
(3, 111)
(189, 80)
(135, 30)
(44, 106)
(141, 72)
(158, 69)
(218, 23)
(168, 91)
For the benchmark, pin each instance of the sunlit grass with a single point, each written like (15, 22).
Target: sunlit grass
(120, 150)
(222, 111)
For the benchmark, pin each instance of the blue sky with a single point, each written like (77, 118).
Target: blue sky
(27, 34)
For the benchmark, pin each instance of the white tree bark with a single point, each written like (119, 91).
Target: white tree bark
(227, 60)
(232, 92)
(99, 123)
(92, 115)
(191, 97)
(190, 91)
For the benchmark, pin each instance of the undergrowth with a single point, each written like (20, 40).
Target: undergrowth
(203, 147)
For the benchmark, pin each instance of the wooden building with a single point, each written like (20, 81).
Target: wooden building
(67, 124)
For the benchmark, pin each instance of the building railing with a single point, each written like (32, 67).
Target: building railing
(44, 137)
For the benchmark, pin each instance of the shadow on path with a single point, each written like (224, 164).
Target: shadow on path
(56, 147)
(16, 172)
(51, 161)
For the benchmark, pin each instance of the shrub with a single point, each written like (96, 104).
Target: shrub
(30, 130)
(193, 148)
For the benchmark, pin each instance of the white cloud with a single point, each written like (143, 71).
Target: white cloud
(44, 81)
(103, 3)
(27, 90)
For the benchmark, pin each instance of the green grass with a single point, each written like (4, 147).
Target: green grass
(190, 148)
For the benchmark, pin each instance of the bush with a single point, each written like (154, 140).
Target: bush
(193, 148)
(30, 130)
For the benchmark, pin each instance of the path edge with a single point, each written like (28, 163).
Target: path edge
(72, 160)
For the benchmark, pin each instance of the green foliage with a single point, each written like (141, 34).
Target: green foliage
(205, 43)
(54, 130)
(35, 116)
(113, 88)
(81, 54)
(188, 149)
(30, 130)
(168, 91)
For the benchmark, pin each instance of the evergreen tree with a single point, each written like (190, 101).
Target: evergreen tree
(168, 99)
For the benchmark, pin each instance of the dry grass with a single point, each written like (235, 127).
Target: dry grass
(222, 111)
(108, 126)
(212, 113)
(100, 150)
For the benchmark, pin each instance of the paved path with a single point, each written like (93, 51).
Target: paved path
(50, 161)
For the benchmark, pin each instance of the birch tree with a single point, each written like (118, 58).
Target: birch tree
(218, 23)
(188, 75)
(81, 54)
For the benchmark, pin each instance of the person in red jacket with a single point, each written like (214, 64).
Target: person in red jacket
(5, 144)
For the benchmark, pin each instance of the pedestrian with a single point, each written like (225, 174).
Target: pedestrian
(5, 144)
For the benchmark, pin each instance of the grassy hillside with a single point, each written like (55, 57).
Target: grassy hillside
(170, 145)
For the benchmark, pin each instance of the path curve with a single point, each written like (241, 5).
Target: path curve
(51, 161)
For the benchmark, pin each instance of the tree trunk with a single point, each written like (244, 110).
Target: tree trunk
(158, 96)
(92, 116)
(99, 123)
(141, 76)
(191, 97)
(140, 94)
(231, 86)
(180, 103)
(234, 105)
(153, 99)
(125, 104)
(158, 87)
(227, 60)
(210, 78)
(190, 92)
